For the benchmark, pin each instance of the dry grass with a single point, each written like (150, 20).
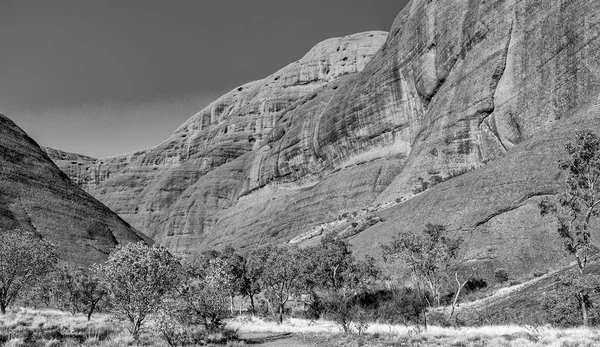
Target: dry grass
(328, 334)
(55, 329)
(51, 328)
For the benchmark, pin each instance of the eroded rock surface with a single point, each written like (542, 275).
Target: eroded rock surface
(490, 86)
(172, 191)
(36, 196)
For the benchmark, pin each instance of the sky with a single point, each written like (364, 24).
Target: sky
(105, 77)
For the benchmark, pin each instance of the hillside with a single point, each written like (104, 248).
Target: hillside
(344, 138)
(177, 191)
(36, 196)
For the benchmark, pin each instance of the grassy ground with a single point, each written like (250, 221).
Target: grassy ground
(55, 328)
(324, 333)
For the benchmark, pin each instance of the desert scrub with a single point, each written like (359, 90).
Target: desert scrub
(55, 328)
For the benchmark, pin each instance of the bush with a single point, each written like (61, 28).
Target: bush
(316, 308)
(457, 172)
(176, 333)
(341, 307)
(399, 305)
(475, 284)
(501, 275)
(435, 179)
(438, 318)
(422, 186)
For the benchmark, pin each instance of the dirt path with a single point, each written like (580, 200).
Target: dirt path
(275, 340)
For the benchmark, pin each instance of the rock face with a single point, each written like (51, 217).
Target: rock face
(36, 196)
(490, 86)
(173, 191)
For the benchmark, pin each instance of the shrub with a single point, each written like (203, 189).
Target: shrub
(475, 284)
(341, 307)
(399, 305)
(438, 318)
(501, 275)
(457, 172)
(176, 333)
(435, 179)
(316, 308)
(422, 186)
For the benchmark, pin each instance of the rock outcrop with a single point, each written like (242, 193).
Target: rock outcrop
(36, 196)
(489, 86)
(172, 191)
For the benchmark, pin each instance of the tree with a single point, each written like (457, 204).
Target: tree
(255, 267)
(138, 277)
(563, 303)
(333, 259)
(205, 295)
(575, 208)
(281, 277)
(80, 290)
(342, 300)
(339, 279)
(233, 264)
(428, 256)
(24, 258)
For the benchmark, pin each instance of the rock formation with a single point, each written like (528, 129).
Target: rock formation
(346, 135)
(172, 191)
(36, 196)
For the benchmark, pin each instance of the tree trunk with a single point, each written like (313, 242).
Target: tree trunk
(252, 305)
(281, 313)
(460, 287)
(136, 332)
(91, 310)
(2, 309)
(423, 307)
(583, 309)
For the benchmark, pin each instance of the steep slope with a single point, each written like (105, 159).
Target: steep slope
(35, 195)
(490, 86)
(169, 191)
(456, 87)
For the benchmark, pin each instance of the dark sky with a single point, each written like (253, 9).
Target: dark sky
(107, 77)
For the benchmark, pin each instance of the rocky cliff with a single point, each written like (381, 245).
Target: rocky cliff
(36, 196)
(173, 191)
(373, 143)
